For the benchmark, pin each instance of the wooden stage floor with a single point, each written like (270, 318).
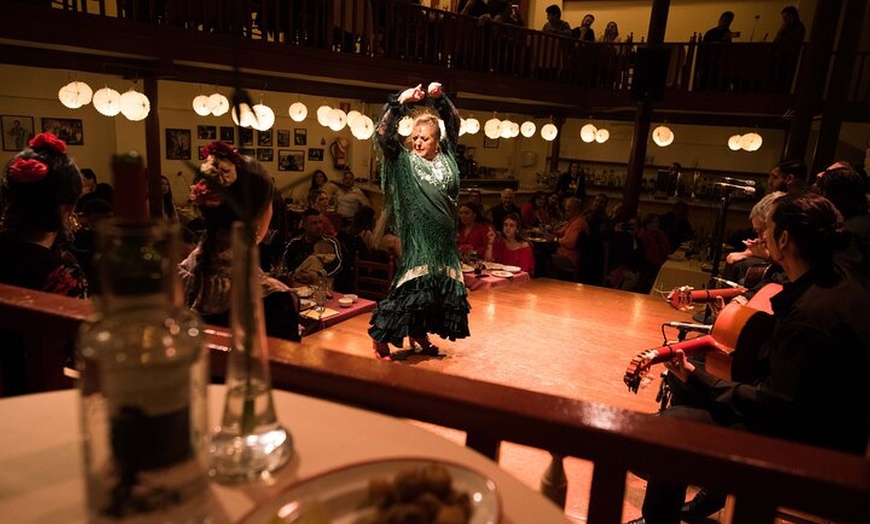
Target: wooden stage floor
(549, 336)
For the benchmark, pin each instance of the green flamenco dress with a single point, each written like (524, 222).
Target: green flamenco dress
(428, 294)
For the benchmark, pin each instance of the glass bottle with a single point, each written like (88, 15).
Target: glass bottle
(144, 370)
(250, 440)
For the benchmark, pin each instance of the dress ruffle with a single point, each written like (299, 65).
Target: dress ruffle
(433, 304)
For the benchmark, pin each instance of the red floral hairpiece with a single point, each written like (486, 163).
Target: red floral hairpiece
(48, 139)
(27, 171)
(222, 150)
(202, 196)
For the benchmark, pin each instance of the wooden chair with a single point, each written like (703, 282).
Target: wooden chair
(373, 275)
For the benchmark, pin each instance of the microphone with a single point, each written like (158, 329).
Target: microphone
(749, 190)
(728, 283)
(685, 326)
(739, 181)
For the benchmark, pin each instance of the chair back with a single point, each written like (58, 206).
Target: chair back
(373, 274)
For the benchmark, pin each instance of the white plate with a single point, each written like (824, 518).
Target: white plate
(502, 274)
(512, 269)
(303, 291)
(340, 496)
(467, 269)
(305, 304)
(494, 265)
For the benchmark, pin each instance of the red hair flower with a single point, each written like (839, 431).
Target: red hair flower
(223, 151)
(48, 139)
(27, 171)
(202, 196)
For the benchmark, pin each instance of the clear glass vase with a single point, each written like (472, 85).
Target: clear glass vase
(250, 440)
(144, 371)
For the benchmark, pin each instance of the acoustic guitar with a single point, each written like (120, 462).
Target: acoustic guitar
(738, 327)
(684, 298)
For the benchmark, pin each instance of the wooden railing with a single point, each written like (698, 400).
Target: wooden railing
(760, 472)
(399, 30)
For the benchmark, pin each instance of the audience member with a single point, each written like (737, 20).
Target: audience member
(169, 212)
(820, 313)
(593, 245)
(566, 260)
(84, 243)
(40, 188)
(555, 24)
(847, 190)
(584, 32)
(475, 8)
(319, 182)
(554, 209)
(473, 230)
(510, 14)
(788, 176)
(321, 205)
(722, 32)
(535, 212)
(738, 262)
(654, 249)
(504, 208)
(303, 246)
(675, 223)
(349, 198)
(572, 183)
(93, 189)
(510, 248)
(207, 271)
(787, 45)
(611, 34)
(710, 54)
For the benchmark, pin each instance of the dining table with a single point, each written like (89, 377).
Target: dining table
(42, 478)
(313, 319)
(678, 271)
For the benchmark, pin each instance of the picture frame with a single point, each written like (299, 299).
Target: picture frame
(246, 136)
(228, 134)
(248, 151)
(490, 143)
(265, 154)
(315, 154)
(67, 129)
(206, 132)
(264, 138)
(300, 136)
(17, 131)
(283, 138)
(177, 144)
(291, 160)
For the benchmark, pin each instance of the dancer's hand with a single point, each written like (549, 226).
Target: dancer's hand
(412, 94)
(435, 89)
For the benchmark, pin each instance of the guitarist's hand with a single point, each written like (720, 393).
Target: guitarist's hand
(679, 366)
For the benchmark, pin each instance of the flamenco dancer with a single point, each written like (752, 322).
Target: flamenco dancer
(421, 187)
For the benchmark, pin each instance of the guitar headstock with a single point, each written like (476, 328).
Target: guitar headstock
(680, 298)
(638, 369)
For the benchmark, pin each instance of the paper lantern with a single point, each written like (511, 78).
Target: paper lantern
(107, 101)
(602, 136)
(201, 105)
(492, 128)
(587, 133)
(219, 104)
(506, 129)
(751, 142)
(352, 117)
(323, 115)
(265, 117)
(337, 119)
(298, 111)
(463, 126)
(243, 115)
(549, 132)
(528, 129)
(75, 95)
(406, 125)
(734, 142)
(135, 105)
(663, 136)
(472, 126)
(363, 128)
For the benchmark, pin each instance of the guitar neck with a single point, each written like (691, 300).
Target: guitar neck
(640, 365)
(701, 296)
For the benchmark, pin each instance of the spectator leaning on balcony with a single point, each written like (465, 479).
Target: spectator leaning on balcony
(611, 34)
(787, 46)
(585, 32)
(555, 24)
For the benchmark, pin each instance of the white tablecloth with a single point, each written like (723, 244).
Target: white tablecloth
(41, 477)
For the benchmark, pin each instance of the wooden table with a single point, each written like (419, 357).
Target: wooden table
(43, 481)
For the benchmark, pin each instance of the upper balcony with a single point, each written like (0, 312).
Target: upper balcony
(360, 49)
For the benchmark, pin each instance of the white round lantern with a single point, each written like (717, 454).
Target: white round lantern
(323, 114)
(201, 105)
(352, 117)
(751, 142)
(472, 126)
(107, 101)
(363, 128)
(135, 105)
(243, 115)
(462, 126)
(492, 128)
(528, 129)
(506, 129)
(406, 125)
(75, 95)
(337, 119)
(734, 142)
(298, 111)
(265, 117)
(219, 104)
(602, 136)
(549, 132)
(587, 133)
(663, 136)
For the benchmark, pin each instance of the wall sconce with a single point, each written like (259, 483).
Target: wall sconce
(663, 136)
(528, 129)
(75, 95)
(107, 101)
(587, 133)
(549, 132)
(298, 111)
(135, 105)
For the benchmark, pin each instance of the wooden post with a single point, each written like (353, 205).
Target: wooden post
(152, 148)
(556, 144)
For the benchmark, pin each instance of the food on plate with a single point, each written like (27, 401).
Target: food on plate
(417, 495)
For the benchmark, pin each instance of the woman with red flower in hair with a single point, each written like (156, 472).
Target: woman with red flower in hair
(40, 188)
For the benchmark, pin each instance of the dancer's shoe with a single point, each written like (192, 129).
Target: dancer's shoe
(426, 347)
(382, 350)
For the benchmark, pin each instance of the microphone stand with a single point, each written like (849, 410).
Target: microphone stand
(717, 239)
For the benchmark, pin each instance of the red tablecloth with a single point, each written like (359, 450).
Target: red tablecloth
(486, 281)
(333, 313)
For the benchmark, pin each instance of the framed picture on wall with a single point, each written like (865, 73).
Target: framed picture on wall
(490, 143)
(315, 154)
(17, 130)
(248, 151)
(178, 144)
(300, 136)
(228, 134)
(264, 138)
(206, 133)
(291, 160)
(283, 138)
(265, 154)
(67, 129)
(246, 137)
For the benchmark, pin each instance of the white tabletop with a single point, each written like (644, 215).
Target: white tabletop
(41, 479)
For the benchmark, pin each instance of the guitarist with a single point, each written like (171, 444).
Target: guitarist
(815, 358)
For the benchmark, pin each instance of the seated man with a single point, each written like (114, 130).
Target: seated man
(567, 258)
(325, 250)
(814, 358)
(504, 208)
